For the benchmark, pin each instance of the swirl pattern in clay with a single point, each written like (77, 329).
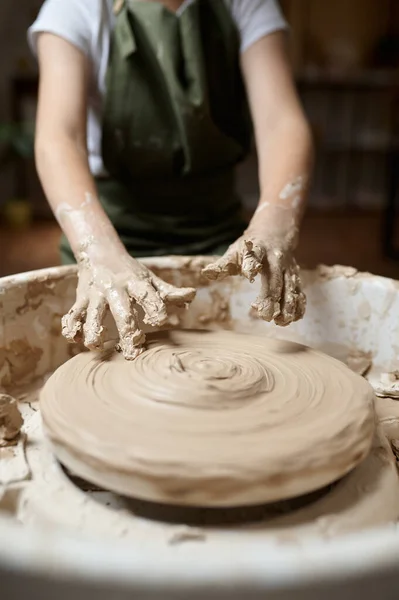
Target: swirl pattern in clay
(209, 419)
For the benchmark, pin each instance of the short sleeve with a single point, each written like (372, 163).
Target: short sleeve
(73, 20)
(256, 18)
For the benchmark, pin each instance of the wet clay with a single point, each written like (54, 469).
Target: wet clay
(18, 360)
(209, 419)
(10, 421)
(387, 385)
(368, 496)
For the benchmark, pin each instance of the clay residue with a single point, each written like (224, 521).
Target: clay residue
(18, 360)
(395, 448)
(387, 385)
(10, 421)
(56, 327)
(28, 393)
(331, 272)
(183, 271)
(364, 311)
(14, 466)
(179, 410)
(35, 294)
(218, 312)
(187, 534)
(368, 496)
(360, 362)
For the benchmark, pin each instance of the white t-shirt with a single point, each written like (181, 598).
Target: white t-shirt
(88, 25)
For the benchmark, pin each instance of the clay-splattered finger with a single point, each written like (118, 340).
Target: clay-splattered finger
(253, 255)
(72, 322)
(301, 297)
(221, 269)
(173, 295)
(148, 298)
(263, 303)
(276, 280)
(93, 328)
(228, 264)
(289, 300)
(131, 338)
(300, 306)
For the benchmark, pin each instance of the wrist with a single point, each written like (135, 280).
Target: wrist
(90, 232)
(274, 225)
(273, 217)
(100, 252)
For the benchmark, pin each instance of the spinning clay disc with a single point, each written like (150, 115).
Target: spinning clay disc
(209, 419)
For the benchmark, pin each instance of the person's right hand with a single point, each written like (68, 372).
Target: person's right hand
(121, 284)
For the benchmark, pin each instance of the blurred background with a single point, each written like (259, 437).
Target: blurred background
(345, 55)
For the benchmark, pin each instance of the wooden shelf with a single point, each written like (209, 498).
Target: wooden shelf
(364, 79)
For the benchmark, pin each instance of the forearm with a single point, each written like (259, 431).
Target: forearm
(285, 158)
(63, 168)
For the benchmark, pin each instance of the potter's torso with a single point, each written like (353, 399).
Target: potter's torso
(90, 26)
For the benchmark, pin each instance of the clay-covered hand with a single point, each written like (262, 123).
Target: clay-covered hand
(122, 285)
(266, 249)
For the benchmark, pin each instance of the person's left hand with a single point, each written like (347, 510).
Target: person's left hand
(267, 248)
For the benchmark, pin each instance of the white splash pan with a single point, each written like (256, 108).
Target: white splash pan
(344, 307)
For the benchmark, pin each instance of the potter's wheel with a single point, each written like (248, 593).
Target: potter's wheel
(209, 419)
(78, 534)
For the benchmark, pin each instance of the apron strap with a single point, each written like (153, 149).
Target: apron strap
(124, 36)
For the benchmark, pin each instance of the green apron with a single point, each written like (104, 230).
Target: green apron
(176, 122)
